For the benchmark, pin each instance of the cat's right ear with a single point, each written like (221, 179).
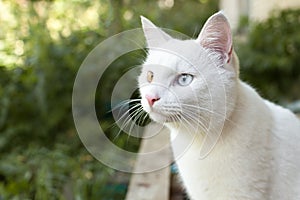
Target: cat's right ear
(216, 36)
(154, 35)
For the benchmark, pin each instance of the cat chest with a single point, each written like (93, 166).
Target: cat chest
(223, 173)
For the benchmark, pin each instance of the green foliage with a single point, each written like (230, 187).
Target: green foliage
(41, 173)
(270, 56)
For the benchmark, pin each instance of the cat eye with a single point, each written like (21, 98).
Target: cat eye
(185, 79)
(149, 76)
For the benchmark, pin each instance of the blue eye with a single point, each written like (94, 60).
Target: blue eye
(185, 79)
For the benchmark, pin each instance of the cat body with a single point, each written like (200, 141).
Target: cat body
(193, 87)
(259, 159)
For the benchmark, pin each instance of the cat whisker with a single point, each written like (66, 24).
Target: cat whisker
(137, 114)
(188, 125)
(196, 121)
(194, 117)
(145, 117)
(128, 120)
(127, 112)
(137, 117)
(191, 115)
(210, 130)
(121, 105)
(187, 106)
(205, 130)
(126, 116)
(187, 117)
(124, 103)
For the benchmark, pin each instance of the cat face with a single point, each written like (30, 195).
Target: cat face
(188, 80)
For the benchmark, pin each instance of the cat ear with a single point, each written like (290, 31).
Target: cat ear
(154, 35)
(216, 36)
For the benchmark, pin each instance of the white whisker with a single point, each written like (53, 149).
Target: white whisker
(187, 106)
(130, 117)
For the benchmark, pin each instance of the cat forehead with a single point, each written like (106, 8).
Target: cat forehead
(175, 52)
(179, 47)
(178, 55)
(169, 69)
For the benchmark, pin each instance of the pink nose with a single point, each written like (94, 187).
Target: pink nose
(152, 99)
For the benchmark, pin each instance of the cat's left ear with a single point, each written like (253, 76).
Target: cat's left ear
(154, 35)
(216, 36)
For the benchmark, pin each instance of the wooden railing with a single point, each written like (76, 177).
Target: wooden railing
(152, 185)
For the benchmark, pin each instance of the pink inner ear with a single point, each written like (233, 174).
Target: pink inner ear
(216, 35)
(229, 55)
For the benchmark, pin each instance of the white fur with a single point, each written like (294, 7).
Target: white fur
(256, 155)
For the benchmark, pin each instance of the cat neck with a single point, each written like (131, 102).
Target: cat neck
(243, 117)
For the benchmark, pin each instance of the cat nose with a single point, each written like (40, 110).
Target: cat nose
(152, 99)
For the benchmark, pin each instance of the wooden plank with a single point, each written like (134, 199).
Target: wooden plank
(152, 185)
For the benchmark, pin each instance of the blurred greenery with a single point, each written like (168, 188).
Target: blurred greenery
(269, 57)
(42, 45)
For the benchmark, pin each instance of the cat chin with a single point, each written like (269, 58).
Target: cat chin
(160, 118)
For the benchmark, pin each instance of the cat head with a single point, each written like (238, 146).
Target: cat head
(188, 81)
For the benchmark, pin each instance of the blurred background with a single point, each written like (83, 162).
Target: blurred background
(42, 45)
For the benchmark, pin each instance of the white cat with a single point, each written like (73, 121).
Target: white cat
(231, 143)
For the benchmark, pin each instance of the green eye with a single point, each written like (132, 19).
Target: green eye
(185, 79)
